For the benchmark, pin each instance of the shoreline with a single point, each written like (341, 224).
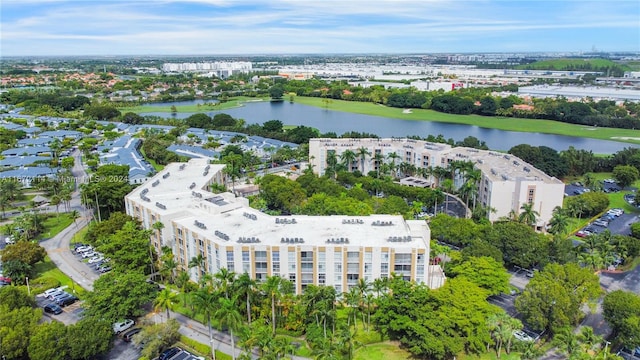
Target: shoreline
(552, 127)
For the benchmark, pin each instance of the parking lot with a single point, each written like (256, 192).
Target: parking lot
(71, 314)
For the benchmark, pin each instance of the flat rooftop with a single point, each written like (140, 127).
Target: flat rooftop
(227, 219)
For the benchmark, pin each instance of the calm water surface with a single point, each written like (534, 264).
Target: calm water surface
(341, 122)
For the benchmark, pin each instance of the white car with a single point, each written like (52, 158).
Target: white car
(522, 336)
(89, 254)
(96, 259)
(52, 291)
(122, 326)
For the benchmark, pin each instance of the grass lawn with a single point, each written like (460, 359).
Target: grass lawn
(79, 236)
(230, 104)
(48, 269)
(490, 356)
(53, 225)
(197, 348)
(381, 351)
(156, 166)
(501, 123)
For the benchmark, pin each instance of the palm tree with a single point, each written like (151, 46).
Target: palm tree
(589, 339)
(502, 326)
(380, 286)
(227, 315)
(393, 157)
(272, 289)
(225, 278)
(55, 201)
(246, 286)
(74, 214)
(197, 262)
(166, 300)
(559, 222)
(206, 303)
(347, 158)
(566, 341)
(363, 153)
(353, 300)
(182, 281)
(378, 161)
(332, 164)
(528, 215)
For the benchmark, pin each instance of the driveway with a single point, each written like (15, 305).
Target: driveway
(628, 281)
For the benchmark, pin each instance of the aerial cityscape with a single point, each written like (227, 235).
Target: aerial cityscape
(211, 179)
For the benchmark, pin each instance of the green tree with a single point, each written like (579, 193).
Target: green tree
(165, 300)
(621, 309)
(272, 287)
(25, 251)
(206, 302)
(16, 327)
(89, 338)
(157, 338)
(48, 342)
(228, 316)
(117, 296)
(559, 222)
(553, 297)
(625, 175)
(485, 272)
(528, 215)
(128, 248)
(17, 271)
(246, 287)
(15, 297)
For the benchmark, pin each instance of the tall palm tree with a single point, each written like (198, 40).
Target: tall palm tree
(332, 164)
(347, 158)
(380, 286)
(272, 289)
(566, 341)
(378, 161)
(197, 262)
(227, 315)
(393, 157)
(55, 201)
(245, 286)
(225, 278)
(206, 303)
(182, 281)
(363, 153)
(165, 300)
(559, 222)
(528, 215)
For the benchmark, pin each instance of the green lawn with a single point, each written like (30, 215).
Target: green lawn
(47, 270)
(501, 123)
(79, 236)
(381, 351)
(53, 225)
(200, 349)
(230, 104)
(157, 167)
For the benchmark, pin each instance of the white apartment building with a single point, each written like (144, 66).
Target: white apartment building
(507, 182)
(321, 250)
(218, 68)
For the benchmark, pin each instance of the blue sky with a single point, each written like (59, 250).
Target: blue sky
(183, 27)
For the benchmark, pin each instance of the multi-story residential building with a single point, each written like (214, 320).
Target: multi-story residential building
(335, 251)
(506, 184)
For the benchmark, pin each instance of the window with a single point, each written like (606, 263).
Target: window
(260, 255)
(322, 279)
(245, 256)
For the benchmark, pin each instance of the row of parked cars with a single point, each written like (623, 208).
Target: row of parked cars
(602, 222)
(96, 259)
(58, 298)
(176, 353)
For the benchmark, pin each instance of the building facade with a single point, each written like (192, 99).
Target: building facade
(334, 251)
(506, 183)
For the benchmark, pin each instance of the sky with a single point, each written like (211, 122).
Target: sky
(230, 27)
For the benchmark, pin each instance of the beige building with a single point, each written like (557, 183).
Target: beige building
(335, 251)
(507, 182)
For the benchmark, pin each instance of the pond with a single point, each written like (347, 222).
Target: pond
(326, 120)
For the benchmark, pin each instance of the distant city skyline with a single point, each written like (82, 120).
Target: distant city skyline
(219, 27)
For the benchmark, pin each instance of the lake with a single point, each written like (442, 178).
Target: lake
(340, 122)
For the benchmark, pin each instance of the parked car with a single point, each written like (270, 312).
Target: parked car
(128, 335)
(169, 353)
(89, 254)
(52, 291)
(96, 259)
(104, 269)
(122, 326)
(522, 336)
(67, 301)
(52, 308)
